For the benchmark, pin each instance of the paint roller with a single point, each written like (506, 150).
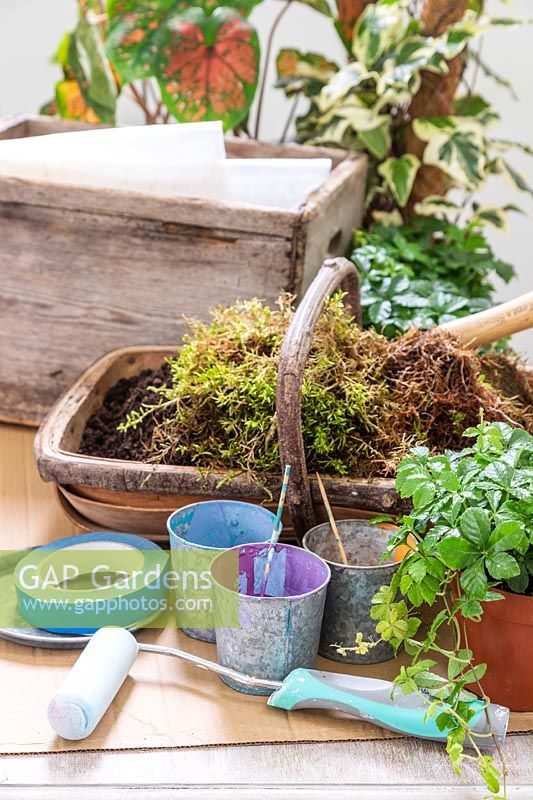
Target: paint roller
(94, 680)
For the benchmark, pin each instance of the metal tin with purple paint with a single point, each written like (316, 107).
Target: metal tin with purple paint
(280, 631)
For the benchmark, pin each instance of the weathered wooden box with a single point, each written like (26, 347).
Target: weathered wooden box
(84, 271)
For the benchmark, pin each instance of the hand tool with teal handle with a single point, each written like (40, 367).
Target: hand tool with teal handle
(99, 672)
(377, 701)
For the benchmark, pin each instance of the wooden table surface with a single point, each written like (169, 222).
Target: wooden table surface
(400, 769)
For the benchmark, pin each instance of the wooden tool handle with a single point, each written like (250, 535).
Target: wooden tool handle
(494, 323)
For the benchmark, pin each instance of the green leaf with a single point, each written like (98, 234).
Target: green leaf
(400, 73)
(516, 178)
(445, 721)
(474, 580)
(379, 312)
(460, 155)
(456, 552)
(489, 773)
(470, 105)
(409, 478)
(434, 205)
(475, 526)
(458, 662)
(415, 595)
(378, 139)
(346, 80)
(423, 495)
(417, 569)
(399, 174)
(61, 54)
(508, 536)
(502, 566)
(499, 473)
(520, 583)
(92, 70)
(475, 674)
(470, 608)
(456, 145)
(428, 128)
(137, 30)
(435, 568)
(491, 215)
(429, 588)
(208, 66)
(378, 27)
(303, 72)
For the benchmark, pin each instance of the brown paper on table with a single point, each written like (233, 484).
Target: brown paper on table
(164, 702)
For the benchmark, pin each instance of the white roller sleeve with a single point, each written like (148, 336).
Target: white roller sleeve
(92, 683)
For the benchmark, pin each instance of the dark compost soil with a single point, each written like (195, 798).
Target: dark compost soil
(101, 437)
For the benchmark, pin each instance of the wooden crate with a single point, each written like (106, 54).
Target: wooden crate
(85, 271)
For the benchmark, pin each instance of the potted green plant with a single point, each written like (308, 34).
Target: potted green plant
(425, 273)
(407, 98)
(472, 518)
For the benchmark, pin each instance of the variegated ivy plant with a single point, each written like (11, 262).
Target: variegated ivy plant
(399, 100)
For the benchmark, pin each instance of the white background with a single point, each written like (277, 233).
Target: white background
(31, 29)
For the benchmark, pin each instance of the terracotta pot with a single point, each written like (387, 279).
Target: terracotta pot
(503, 639)
(146, 514)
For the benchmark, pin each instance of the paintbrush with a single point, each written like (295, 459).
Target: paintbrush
(276, 531)
(331, 518)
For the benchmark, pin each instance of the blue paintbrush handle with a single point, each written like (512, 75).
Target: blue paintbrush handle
(370, 699)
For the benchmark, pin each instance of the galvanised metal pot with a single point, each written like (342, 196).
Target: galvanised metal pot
(350, 591)
(217, 525)
(276, 633)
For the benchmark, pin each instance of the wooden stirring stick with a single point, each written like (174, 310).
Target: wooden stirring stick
(332, 522)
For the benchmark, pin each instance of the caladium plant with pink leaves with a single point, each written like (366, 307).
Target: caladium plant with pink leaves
(192, 61)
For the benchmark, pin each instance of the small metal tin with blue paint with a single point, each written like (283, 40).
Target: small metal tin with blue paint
(350, 591)
(280, 631)
(218, 525)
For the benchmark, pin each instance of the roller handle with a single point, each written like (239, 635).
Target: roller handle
(373, 701)
(494, 323)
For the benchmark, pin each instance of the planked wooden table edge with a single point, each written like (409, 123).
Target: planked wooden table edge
(377, 769)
